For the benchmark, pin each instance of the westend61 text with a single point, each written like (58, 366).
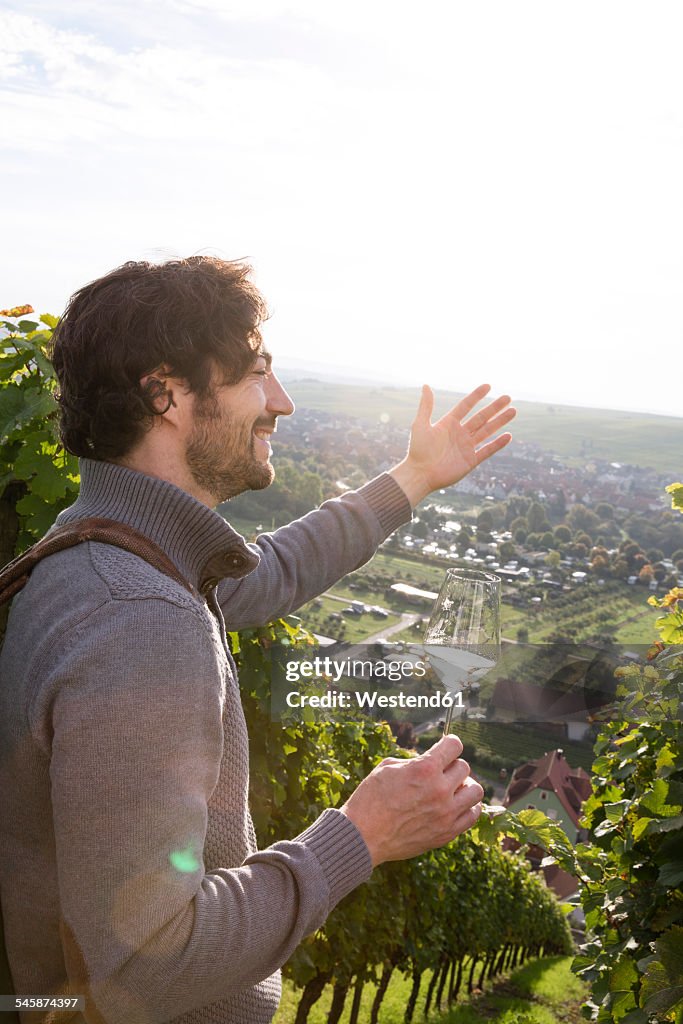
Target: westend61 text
(371, 698)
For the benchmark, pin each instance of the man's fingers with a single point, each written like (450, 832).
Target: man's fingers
(470, 793)
(466, 806)
(467, 404)
(467, 819)
(456, 774)
(492, 426)
(479, 419)
(426, 407)
(487, 450)
(418, 804)
(445, 751)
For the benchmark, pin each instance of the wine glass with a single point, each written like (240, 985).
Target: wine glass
(463, 634)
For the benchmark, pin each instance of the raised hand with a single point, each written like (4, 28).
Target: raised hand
(441, 453)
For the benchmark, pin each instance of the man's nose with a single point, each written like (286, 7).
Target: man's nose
(279, 402)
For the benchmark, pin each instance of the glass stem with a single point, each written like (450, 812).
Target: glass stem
(449, 719)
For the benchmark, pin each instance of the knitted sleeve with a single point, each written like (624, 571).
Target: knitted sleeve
(303, 559)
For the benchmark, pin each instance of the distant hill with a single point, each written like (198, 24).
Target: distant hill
(576, 433)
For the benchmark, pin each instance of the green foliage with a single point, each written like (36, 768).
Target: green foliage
(403, 917)
(37, 477)
(670, 626)
(633, 870)
(297, 768)
(676, 492)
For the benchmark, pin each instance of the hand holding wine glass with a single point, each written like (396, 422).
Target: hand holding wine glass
(407, 806)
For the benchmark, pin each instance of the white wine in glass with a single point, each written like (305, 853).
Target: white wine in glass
(463, 634)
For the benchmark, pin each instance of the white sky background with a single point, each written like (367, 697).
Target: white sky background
(450, 191)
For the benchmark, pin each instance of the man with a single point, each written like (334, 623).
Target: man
(129, 870)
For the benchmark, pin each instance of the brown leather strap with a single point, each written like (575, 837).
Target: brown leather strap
(105, 531)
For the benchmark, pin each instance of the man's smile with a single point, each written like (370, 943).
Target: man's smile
(262, 434)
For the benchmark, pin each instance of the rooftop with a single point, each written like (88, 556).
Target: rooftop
(552, 772)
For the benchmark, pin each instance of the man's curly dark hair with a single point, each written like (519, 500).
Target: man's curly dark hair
(186, 315)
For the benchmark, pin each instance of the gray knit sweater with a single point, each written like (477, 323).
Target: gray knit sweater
(128, 867)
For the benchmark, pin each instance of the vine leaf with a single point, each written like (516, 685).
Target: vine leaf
(676, 492)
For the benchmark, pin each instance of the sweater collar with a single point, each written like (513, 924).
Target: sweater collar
(203, 546)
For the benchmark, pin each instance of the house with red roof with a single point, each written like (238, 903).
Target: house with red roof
(551, 785)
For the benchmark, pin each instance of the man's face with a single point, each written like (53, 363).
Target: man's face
(228, 450)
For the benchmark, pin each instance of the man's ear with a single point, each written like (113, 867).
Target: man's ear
(157, 390)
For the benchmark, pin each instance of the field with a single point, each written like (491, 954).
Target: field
(583, 612)
(314, 617)
(541, 992)
(635, 438)
(415, 569)
(515, 744)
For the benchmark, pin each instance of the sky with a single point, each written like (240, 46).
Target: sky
(451, 192)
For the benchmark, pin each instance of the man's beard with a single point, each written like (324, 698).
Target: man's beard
(220, 454)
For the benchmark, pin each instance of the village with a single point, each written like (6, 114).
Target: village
(579, 546)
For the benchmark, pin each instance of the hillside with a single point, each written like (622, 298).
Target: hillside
(576, 433)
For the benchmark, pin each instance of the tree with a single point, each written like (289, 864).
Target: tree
(516, 506)
(558, 504)
(506, 550)
(581, 537)
(582, 518)
(37, 477)
(520, 523)
(600, 560)
(608, 533)
(632, 870)
(562, 534)
(484, 524)
(464, 536)
(430, 516)
(420, 529)
(621, 569)
(604, 510)
(536, 518)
